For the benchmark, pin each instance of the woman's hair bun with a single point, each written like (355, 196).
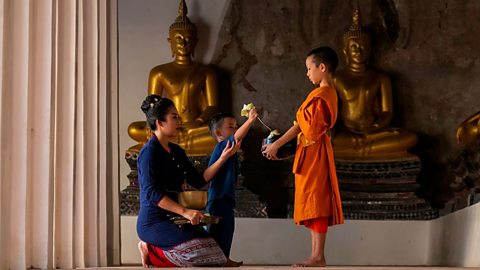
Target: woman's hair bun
(156, 108)
(150, 102)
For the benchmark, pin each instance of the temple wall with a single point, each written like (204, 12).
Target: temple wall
(429, 48)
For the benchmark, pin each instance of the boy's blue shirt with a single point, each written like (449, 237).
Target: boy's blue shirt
(223, 183)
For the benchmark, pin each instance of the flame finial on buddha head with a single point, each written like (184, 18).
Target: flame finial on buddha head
(355, 30)
(182, 22)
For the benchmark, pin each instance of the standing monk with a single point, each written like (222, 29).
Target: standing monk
(317, 198)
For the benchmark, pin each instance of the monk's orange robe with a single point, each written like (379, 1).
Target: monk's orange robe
(316, 186)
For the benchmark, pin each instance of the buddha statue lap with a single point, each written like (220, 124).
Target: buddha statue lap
(191, 86)
(366, 106)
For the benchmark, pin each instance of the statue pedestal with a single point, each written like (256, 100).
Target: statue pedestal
(463, 174)
(382, 189)
(247, 203)
(130, 196)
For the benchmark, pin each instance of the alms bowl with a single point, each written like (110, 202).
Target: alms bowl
(193, 199)
(285, 151)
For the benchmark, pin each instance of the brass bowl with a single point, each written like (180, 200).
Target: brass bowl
(285, 151)
(195, 199)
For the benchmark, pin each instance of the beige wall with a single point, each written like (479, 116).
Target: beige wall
(433, 60)
(429, 49)
(452, 240)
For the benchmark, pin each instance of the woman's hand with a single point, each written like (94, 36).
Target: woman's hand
(230, 149)
(270, 151)
(194, 216)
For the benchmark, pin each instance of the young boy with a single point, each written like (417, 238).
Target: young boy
(221, 192)
(317, 202)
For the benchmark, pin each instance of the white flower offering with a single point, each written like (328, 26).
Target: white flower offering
(273, 133)
(246, 108)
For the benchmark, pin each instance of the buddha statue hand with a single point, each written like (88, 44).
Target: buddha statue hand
(469, 131)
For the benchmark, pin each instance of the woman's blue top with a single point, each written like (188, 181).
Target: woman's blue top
(160, 174)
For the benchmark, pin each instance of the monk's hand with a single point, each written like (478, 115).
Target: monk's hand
(230, 149)
(194, 216)
(269, 151)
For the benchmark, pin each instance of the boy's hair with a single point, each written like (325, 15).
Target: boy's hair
(325, 55)
(217, 121)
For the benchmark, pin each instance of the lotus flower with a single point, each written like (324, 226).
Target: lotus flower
(246, 108)
(273, 133)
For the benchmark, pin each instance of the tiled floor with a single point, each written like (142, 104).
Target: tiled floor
(266, 267)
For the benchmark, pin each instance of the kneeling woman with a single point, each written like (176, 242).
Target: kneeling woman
(162, 169)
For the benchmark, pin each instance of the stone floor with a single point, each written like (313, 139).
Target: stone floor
(328, 268)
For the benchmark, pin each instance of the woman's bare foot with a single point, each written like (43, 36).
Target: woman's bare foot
(231, 263)
(311, 262)
(142, 247)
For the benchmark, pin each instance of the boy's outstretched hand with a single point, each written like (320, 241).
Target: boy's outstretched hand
(230, 149)
(252, 114)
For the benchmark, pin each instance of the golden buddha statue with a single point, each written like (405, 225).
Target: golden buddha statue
(469, 131)
(191, 86)
(366, 107)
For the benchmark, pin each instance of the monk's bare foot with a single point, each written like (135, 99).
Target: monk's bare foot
(302, 263)
(312, 262)
(232, 263)
(142, 247)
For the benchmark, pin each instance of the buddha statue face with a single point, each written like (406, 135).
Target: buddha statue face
(357, 50)
(182, 42)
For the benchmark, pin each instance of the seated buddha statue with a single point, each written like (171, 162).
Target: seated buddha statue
(365, 104)
(191, 86)
(469, 130)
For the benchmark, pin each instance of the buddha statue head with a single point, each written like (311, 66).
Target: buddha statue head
(356, 42)
(182, 34)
